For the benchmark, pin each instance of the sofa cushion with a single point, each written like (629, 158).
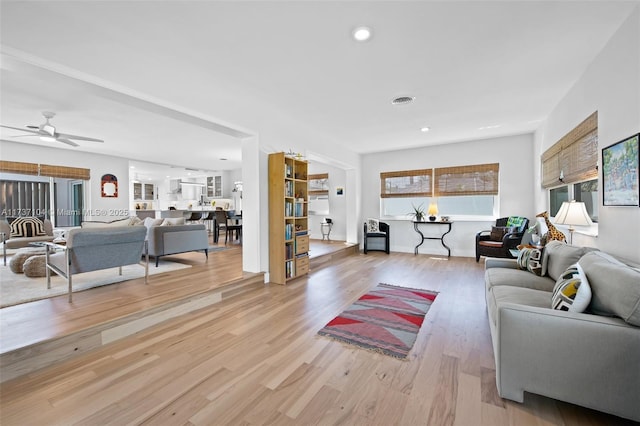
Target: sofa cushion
(26, 226)
(498, 232)
(518, 295)
(558, 256)
(571, 292)
(514, 277)
(615, 287)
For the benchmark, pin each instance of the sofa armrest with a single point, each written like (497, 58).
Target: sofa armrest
(584, 359)
(498, 262)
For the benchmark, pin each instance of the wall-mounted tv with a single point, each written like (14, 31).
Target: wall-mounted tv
(620, 176)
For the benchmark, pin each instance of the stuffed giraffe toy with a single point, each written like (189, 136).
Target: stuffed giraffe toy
(553, 232)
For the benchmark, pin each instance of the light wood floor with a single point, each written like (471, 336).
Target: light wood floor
(256, 359)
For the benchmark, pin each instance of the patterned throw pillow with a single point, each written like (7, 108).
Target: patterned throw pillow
(27, 226)
(373, 226)
(572, 291)
(515, 221)
(531, 260)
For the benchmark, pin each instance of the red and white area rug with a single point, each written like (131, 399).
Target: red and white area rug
(386, 319)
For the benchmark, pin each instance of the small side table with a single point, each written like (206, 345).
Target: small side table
(441, 237)
(325, 228)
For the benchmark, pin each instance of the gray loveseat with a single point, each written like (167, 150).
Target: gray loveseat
(589, 358)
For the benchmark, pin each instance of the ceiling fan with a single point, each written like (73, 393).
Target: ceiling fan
(47, 132)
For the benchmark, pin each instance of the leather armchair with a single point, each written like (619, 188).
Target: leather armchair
(489, 246)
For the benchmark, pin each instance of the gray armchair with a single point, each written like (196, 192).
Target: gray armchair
(92, 249)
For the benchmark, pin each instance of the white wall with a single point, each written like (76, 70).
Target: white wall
(513, 153)
(96, 207)
(611, 86)
(337, 204)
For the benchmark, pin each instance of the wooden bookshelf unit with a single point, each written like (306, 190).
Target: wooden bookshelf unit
(288, 218)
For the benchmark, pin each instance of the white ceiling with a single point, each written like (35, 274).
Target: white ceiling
(179, 82)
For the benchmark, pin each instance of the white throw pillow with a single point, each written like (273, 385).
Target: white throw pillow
(149, 222)
(572, 291)
(173, 221)
(373, 226)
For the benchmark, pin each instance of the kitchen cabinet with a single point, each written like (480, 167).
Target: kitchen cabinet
(143, 191)
(214, 186)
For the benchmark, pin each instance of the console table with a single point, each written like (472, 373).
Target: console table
(441, 237)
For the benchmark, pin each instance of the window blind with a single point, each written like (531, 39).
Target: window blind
(64, 172)
(44, 170)
(18, 167)
(406, 183)
(574, 157)
(478, 179)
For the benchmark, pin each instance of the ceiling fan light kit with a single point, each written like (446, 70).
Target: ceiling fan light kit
(47, 132)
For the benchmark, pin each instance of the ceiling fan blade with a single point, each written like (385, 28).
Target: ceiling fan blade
(80, 138)
(35, 132)
(67, 141)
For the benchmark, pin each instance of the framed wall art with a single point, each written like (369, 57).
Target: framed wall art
(620, 179)
(109, 186)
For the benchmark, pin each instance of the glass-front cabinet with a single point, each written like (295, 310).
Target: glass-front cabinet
(214, 186)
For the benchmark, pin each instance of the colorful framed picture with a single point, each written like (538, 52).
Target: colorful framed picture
(109, 186)
(620, 178)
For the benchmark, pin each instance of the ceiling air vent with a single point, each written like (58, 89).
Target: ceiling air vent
(402, 100)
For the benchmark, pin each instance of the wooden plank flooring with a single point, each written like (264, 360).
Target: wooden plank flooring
(256, 359)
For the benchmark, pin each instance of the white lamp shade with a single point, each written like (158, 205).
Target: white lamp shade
(573, 213)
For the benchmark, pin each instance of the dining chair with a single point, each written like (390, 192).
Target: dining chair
(229, 226)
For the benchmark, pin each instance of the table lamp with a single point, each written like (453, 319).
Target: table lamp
(432, 211)
(572, 213)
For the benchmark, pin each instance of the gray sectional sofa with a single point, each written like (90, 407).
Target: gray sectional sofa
(174, 239)
(589, 358)
(165, 236)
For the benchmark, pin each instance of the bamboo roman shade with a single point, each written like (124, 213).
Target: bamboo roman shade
(44, 170)
(18, 167)
(318, 184)
(479, 179)
(407, 183)
(65, 172)
(573, 158)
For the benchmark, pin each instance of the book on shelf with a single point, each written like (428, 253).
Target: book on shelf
(303, 232)
(290, 268)
(288, 231)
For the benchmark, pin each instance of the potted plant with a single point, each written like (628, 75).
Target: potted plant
(417, 213)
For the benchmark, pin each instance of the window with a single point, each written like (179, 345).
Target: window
(21, 195)
(556, 197)
(573, 163)
(462, 190)
(586, 191)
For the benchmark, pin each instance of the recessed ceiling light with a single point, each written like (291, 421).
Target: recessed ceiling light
(362, 34)
(403, 100)
(425, 129)
(223, 159)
